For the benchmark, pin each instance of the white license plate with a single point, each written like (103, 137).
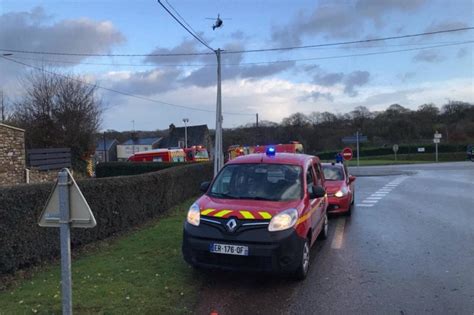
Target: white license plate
(229, 249)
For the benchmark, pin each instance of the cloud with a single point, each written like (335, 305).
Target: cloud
(353, 79)
(149, 82)
(35, 31)
(187, 46)
(431, 56)
(406, 76)
(446, 25)
(336, 20)
(328, 79)
(462, 52)
(316, 95)
(349, 81)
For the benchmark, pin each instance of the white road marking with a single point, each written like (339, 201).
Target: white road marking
(338, 235)
(373, 198)
(365, 205)
(370, 201)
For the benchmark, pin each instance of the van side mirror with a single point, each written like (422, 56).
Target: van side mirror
(204, 186)
(316, 192)
(351, 178)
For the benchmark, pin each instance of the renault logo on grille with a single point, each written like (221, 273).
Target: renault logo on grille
(231, 225)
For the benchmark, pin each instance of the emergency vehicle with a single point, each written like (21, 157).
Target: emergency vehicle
(339, 187)
(159, 155)
(237, 150)
(196, 154)
(262, 212)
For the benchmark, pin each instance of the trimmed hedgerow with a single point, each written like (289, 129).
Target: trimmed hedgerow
(118, 203)
(403, 149)
(110, 169)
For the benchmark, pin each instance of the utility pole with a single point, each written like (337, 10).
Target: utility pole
(185, 120)
(218, 155)
(105, 148)
(256, 125)
(357, 135)
(3, 108)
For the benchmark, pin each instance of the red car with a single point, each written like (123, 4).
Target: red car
(339, 187)
(262, 212)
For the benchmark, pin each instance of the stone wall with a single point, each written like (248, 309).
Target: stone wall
(12, 155)
(37, 176)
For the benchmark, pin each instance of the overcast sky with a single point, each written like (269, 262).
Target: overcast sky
(316, 79)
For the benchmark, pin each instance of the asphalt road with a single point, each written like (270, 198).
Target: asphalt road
(407, 249)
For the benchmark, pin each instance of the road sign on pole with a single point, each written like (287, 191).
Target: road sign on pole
(436, 139)
(347, 154)
(395, 150)
(66, 207)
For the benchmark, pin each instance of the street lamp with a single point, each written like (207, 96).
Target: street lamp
(185, 120)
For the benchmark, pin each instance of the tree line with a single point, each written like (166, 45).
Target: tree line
(323, 131)
(64, 111)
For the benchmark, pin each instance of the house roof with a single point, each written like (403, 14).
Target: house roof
(11, 127)
(196, 136)
(108, 144)
(141, 141)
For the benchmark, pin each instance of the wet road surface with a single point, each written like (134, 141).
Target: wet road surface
(407, 249)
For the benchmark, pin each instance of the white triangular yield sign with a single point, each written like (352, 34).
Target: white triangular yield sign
(80, 213)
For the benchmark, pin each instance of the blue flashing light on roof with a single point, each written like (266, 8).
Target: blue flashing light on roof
(271, 151)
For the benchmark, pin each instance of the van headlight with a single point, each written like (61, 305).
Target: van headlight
(194, 215)
(283, 221)
(341, 193)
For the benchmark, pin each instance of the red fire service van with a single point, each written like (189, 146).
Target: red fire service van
(159, 155)
(261, 212)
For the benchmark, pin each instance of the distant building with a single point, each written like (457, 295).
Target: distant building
(12, 155)
(131, 146)
(197, 135)
(106, 151)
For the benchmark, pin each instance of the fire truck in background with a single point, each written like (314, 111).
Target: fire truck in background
(196, 153)
(237, 150)
(159, 155)
(192, 154)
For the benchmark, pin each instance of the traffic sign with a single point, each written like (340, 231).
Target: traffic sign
(80, 214)
(395, 148)
(436, 140)
(347, 154)
(353, 139)
(437, 135)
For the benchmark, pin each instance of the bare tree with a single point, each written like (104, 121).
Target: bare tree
(59, 111)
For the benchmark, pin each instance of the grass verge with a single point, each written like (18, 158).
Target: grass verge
(142, 272)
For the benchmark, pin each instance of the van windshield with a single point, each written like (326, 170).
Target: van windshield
(273, 182)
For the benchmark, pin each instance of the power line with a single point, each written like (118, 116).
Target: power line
(184, 20)
(258, 62)
(184, 26)
(236, 51)
(120, 92)
(370, 40)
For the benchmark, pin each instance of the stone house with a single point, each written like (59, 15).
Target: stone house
(197, 135)
(12, 155)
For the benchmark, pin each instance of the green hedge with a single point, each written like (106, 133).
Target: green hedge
(118, 204)
(110, 169)
(402, 149)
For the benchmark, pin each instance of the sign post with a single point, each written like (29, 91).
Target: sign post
(436, 139)
(357, 138)
(395, 150)
(66, 207)
(65, 240)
